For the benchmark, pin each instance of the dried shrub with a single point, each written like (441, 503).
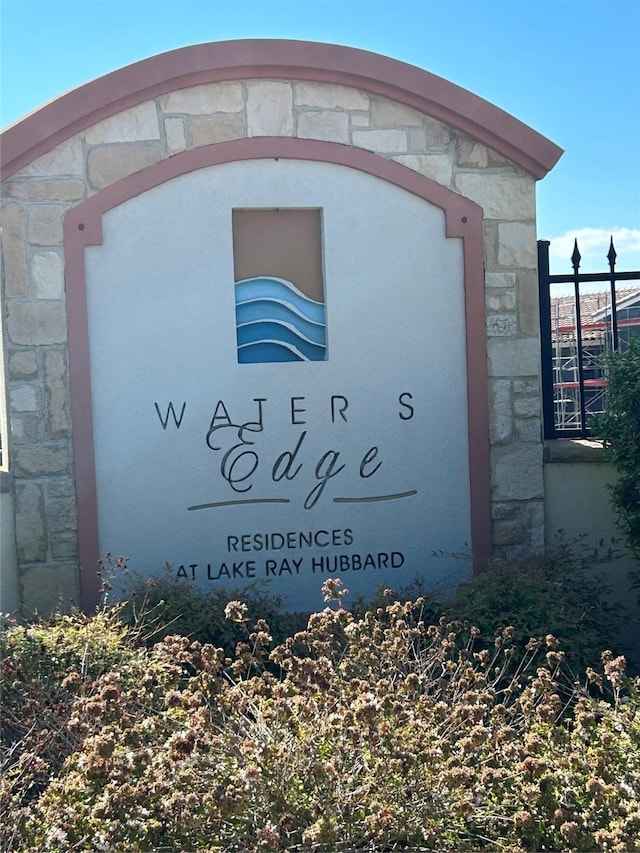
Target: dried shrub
(377, 731)
(163, 604)
(44, 669)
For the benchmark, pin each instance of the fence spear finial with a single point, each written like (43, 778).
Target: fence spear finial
(576, 256)
(612, 255)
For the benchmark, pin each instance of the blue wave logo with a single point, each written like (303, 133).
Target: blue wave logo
(276, 322)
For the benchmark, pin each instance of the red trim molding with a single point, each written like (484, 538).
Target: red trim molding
(82, 227)
(71, 113)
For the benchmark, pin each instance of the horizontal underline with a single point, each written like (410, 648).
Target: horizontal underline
(234, 503)
(376, 498)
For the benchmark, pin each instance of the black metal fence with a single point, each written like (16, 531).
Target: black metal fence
(579, 324)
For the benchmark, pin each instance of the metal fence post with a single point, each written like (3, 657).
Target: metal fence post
(546, 351)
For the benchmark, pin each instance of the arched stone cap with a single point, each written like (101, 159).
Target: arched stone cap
(244, 59)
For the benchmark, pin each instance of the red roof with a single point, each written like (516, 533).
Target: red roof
(594, 311)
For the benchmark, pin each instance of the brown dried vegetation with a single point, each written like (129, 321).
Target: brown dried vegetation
(377, 731)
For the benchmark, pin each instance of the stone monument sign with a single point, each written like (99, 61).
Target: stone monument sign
(270, 314)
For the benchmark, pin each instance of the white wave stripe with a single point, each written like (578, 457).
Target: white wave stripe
(593, 244)
(284, 344)
(279, 290)
(288, 326)
(291, 306)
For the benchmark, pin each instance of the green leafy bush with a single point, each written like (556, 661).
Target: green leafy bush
(619, 427)
(378, 731)
(538, 593)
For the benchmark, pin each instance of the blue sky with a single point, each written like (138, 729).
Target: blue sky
(568, 68)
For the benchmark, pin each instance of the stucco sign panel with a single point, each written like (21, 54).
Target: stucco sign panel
(286, 409)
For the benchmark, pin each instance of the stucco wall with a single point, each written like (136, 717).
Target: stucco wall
(578, 505)
(9, 585)
(36, 197)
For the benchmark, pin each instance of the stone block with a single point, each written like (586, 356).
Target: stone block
(330, 97)
(500, 411)
(45, 224)
(65, 160)
(218, 128)
(526, 407)
(359, 119)
(517, 246)
(500, 511)
(528, 302)
(501, 325)
(60, 189)
(55, 373)
(386, 113)
(26, 397)
(109, 163)
(439, 135)
(517, 472)
(61, 487)
(513, 356)
(500, 299)
(64, 545)
(26, 427)
(30, 525)
(36, 323)
(50, 589)
(175, 135)
(471, 154)
(498, 161)
(136, 124)
(490, 234)
(575, 450)
(381, 141)
(14, 254)
(328, 125)
(508, 533)
(438, 167)
(417, 137)
(23, 364)
(225, 97)
(501, 196)
(61, 514)
(528, 430)
(535, 523)
(269, 108)
(41, 460)
(528, 385)
(500, 279)
(47, 273)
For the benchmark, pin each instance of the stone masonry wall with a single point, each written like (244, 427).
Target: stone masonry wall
(35, 200)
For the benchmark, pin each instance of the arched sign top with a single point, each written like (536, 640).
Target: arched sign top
(246, 59)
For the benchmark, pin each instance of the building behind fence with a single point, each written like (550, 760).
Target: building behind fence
(583, 317)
